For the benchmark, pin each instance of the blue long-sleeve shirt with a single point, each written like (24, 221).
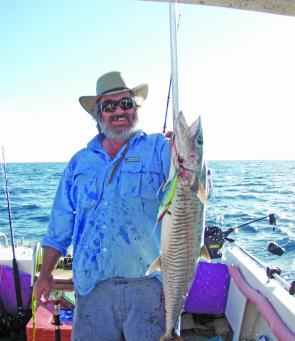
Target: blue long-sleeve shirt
(111, 225)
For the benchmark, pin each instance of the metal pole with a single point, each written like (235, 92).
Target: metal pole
(280, 279)
(174, 70)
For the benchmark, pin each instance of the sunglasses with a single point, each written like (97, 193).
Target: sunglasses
(110, 105)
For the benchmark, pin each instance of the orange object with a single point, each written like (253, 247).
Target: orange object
(45, 329)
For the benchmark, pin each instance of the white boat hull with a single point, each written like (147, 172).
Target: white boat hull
(248, 313)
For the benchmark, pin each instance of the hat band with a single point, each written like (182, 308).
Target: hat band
(112, 90)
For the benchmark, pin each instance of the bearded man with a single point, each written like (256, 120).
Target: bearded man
(106, 205)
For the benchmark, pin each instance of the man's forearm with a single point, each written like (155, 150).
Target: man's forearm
(50, 259)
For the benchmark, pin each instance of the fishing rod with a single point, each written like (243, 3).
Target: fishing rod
(272, 247)
(169, 91)
(271, 218)
(56, 296)
(174, 62)
(214, 237)
(14, 262)
(19, 301)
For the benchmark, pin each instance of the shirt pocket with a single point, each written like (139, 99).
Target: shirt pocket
(151, 181)
(129, 181)
(87, 189)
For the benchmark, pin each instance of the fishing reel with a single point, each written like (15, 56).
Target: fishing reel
(214, 237)
(13, 325)
(65, 262)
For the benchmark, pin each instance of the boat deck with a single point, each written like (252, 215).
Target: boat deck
(202, 327)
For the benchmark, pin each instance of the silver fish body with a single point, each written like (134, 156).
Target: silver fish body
(183, 223)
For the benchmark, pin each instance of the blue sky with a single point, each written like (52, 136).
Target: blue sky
(236, 69)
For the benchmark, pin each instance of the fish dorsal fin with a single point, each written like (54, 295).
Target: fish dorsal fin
(194, 127)
(155, 266)
(198, 188)
(202, 194)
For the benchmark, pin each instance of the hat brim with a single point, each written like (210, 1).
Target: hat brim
(88, 102)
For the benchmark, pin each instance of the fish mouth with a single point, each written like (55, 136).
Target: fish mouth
(182, 168)
(186, 174)
(181, 164)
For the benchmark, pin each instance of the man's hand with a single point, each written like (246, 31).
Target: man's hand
(170, 135)
(43, 287)
(45, 282)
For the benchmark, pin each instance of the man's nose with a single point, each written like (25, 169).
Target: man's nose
(119, 110)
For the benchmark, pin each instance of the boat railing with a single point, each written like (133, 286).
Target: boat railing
(4, 237)
(272, 273)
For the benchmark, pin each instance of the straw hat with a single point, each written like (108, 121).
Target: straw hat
(112, 83)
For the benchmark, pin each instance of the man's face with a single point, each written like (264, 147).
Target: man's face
(118, 115)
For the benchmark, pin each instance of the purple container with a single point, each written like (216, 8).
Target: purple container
(208, 294)
(7, 289)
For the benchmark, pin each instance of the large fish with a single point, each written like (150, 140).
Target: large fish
(182, 215)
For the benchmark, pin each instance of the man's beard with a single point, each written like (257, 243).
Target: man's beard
(124, 135)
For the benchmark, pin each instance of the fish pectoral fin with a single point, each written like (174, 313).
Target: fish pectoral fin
(155, 266)
(205, 253)
(165, 185)
(170, 179)
(201, 192)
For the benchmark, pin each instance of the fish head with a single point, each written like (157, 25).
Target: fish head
(187, 148)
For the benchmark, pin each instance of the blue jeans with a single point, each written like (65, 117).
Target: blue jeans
(121, 309)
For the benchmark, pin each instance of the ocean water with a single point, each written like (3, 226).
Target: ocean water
(242, 191)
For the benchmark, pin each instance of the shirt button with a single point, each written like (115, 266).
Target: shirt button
(104, 249)
(106, 204)
(104, 226)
